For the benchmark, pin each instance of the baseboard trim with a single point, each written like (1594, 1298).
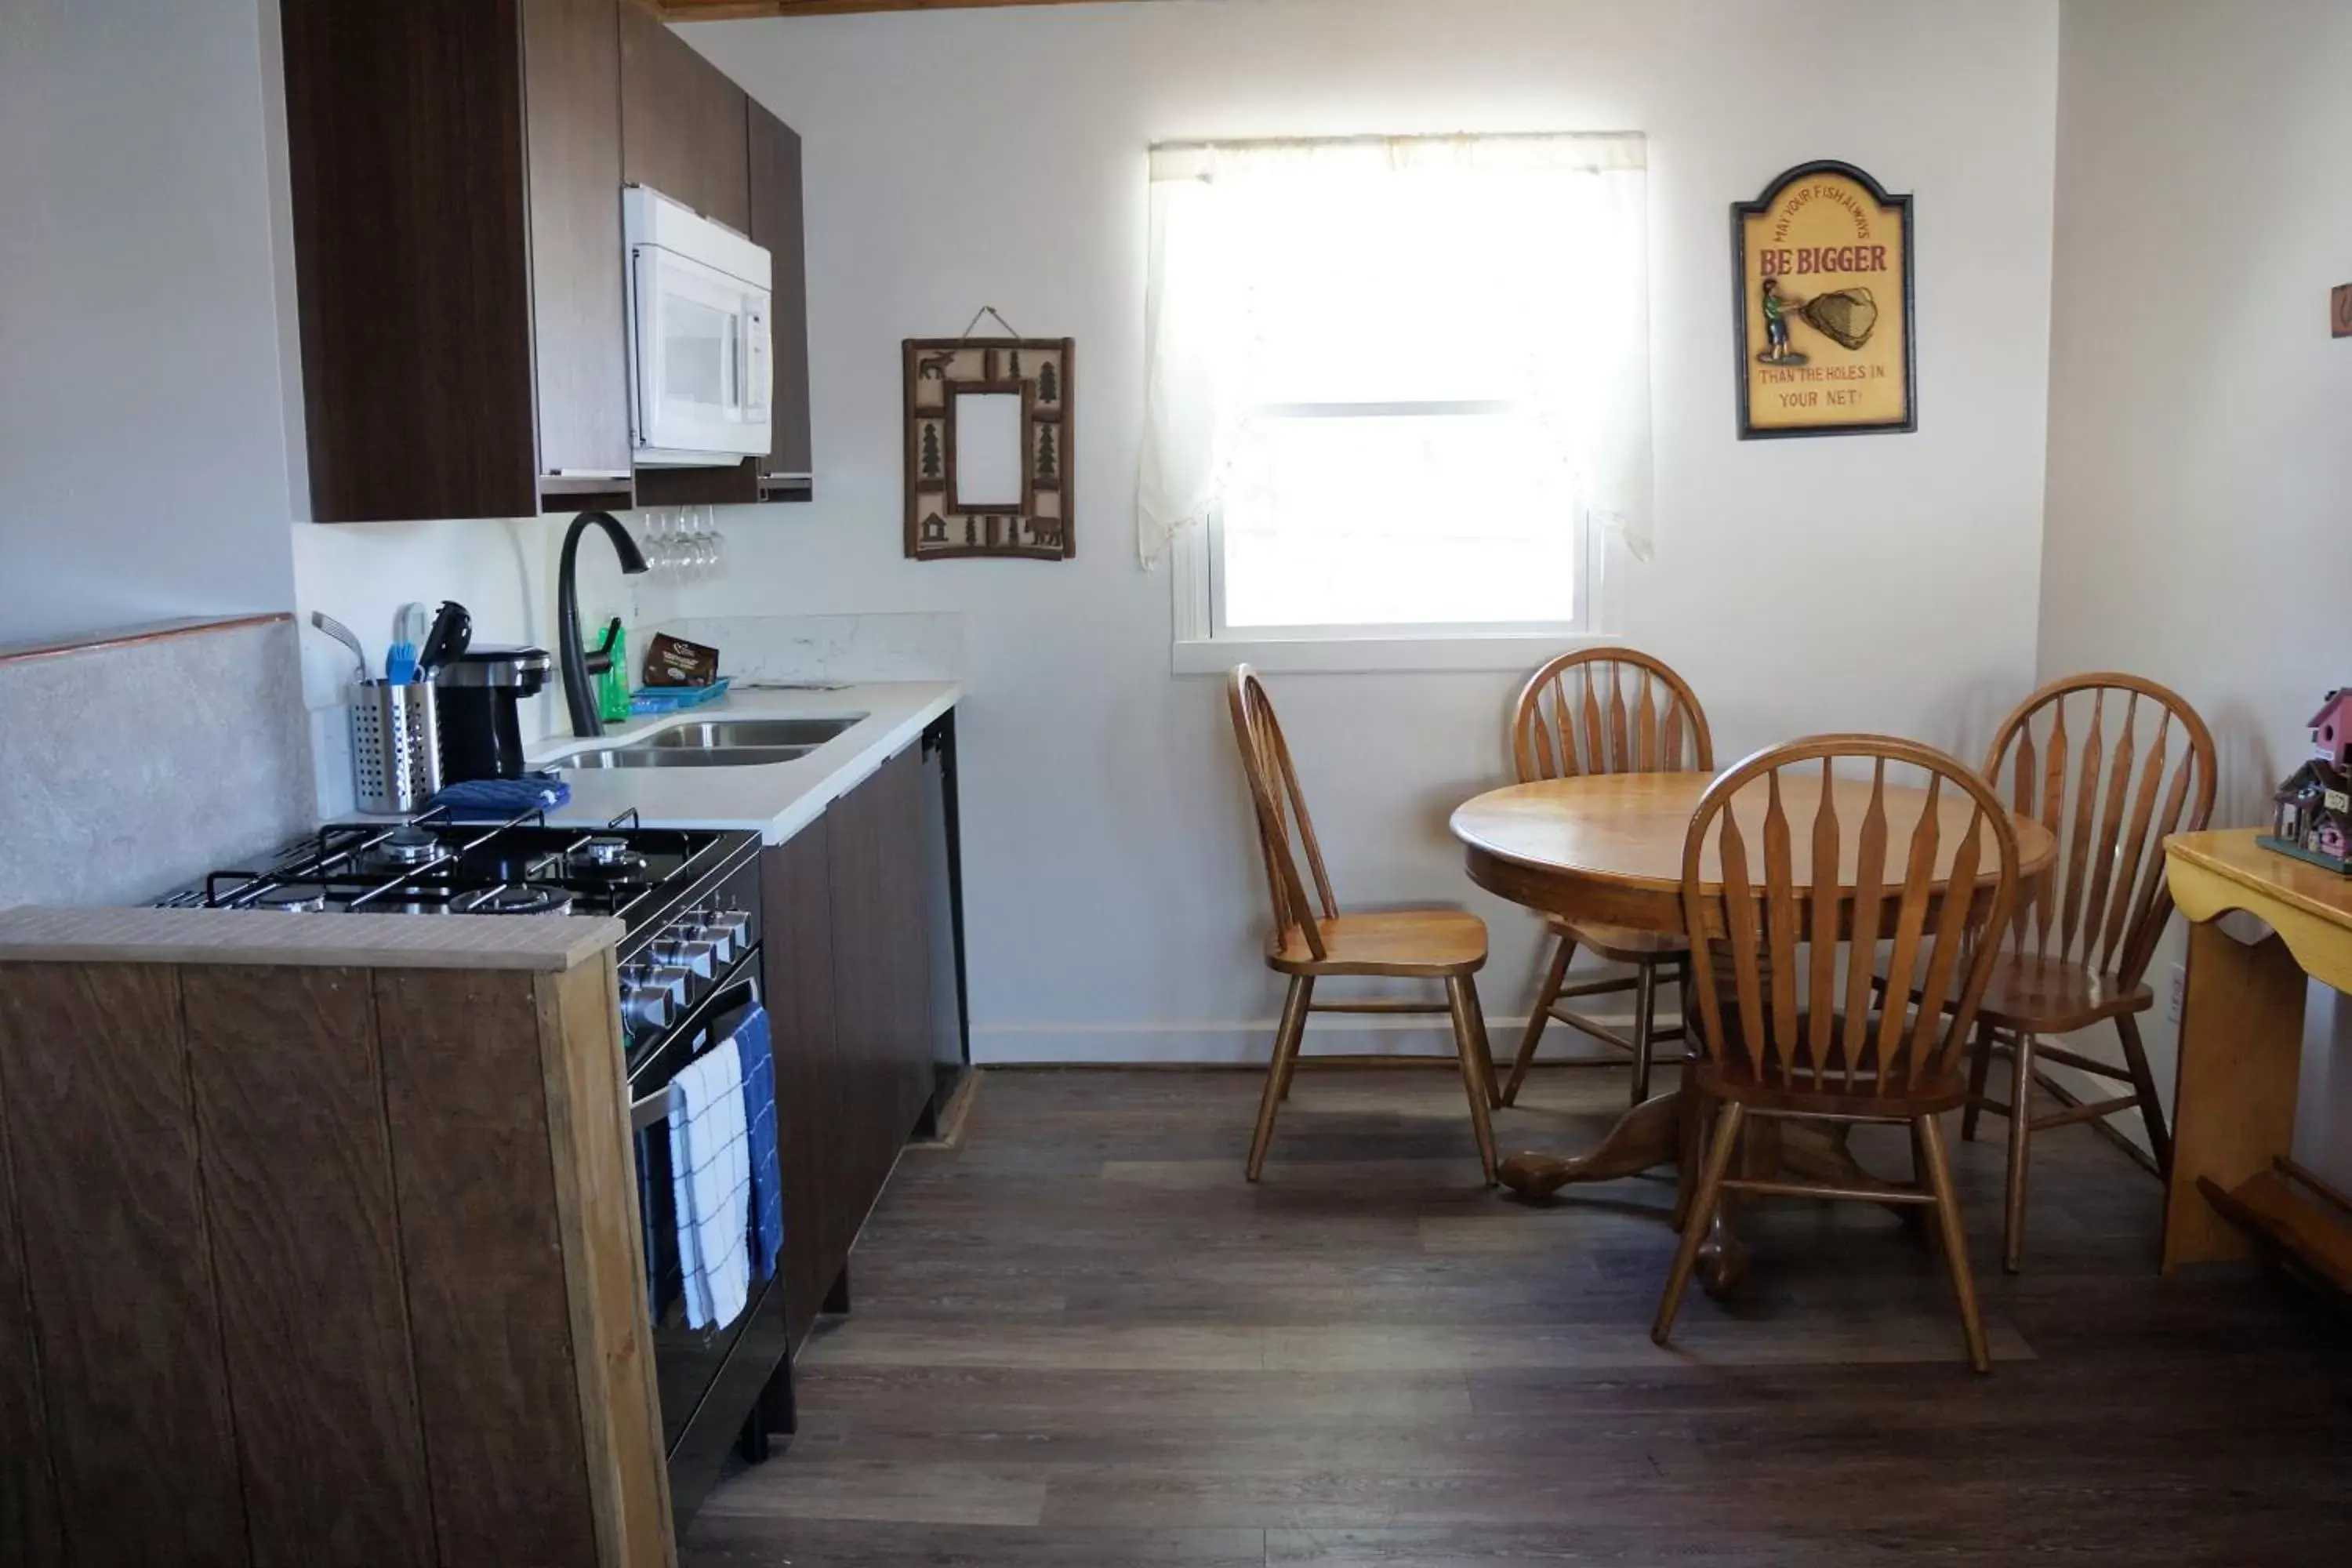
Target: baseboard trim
(1249, 1042)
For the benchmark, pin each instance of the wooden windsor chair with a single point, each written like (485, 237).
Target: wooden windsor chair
(2111, 785)
(1311, 940)
(1782, 1036)
(1573, 718)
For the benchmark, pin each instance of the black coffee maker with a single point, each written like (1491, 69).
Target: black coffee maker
(477, 694)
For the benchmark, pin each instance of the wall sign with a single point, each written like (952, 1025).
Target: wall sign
(2339, 309)
(989, 453)
(1822, 264)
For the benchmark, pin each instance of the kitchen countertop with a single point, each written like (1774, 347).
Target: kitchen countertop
(543, 943)
(774, 800)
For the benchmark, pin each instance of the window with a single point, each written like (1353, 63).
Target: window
(1394, 385)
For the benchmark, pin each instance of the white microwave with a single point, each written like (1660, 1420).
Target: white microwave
(700, 370)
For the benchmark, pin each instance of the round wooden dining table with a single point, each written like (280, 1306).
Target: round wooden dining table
(1609, 848)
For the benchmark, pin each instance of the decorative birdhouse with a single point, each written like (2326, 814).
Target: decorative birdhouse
(2313, 809)
(2331, 727)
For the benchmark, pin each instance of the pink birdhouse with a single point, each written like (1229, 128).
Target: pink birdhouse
(2331, 727)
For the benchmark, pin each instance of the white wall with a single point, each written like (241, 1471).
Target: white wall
(2200, 482)
(143, 471)
(956, 158)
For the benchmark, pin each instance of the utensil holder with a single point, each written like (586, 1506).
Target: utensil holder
(395, 746)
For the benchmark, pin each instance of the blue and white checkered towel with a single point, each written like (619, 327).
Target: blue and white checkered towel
(711, 1179)
(760, 1119)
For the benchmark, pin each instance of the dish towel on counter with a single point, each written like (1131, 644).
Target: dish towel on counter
(760, 1119)
(496, 800)
(711, 1179)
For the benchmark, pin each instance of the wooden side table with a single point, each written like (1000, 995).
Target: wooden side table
(2235, 1186)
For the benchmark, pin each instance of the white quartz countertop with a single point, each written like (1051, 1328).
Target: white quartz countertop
(774, 800)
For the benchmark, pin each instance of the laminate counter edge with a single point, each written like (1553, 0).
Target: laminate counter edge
(547, 945)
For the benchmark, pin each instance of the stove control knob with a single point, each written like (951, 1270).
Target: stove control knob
(721, 944)
(731, 926)
(644, 1006)
(674, 982)
(688, 953)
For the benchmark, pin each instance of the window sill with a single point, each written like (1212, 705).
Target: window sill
(1378, 656)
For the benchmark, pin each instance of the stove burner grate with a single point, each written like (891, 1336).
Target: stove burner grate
(517, 898)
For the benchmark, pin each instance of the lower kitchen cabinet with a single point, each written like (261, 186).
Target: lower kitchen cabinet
(848, 976)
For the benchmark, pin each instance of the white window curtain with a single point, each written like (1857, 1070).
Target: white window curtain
(1504, 267)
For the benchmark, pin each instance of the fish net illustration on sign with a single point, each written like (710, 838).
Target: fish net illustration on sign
(1823, 267)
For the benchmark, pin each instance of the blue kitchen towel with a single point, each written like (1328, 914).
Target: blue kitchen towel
(496, 800)
(759, 1123)
(710, 1181)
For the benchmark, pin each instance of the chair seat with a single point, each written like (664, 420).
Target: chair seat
(1620, 944)
(1404, 943)
(1830, 1091)
(2041, 995)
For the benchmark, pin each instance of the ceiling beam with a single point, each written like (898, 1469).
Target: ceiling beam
(716, 10)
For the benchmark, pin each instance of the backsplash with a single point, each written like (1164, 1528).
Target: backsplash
(140, 763)
(502, 570)
(829, 650)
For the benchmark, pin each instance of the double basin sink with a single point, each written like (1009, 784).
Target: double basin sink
(717, 743)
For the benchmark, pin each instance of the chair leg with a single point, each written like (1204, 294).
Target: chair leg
(1486, 1044)
(1645, 1009)
(1702, 1212)
(1980, 1069)
(2151, 1110)
(2020, 1137)
(1277, 1073)
(1463, 1003)
(1555, 977)
(1937, 1171)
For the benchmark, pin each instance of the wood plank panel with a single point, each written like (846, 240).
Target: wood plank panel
(110, 1197)
(314, 1324)
(603, 1245)
(465, 1100)
(29, 1533)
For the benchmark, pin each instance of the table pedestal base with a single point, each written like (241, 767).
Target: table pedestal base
(1664, 1129)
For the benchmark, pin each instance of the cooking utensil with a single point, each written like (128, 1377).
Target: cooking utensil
(342, 633)
(452, 633)
(409, 633)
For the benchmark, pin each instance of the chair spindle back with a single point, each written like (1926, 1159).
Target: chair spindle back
(2110, 763)
(1281, 810)
(1928, 878)
(1608, 711)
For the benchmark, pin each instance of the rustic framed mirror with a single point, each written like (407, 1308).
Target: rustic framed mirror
(988, 449)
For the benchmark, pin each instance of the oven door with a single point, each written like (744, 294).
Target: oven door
(700, 348)
(710, 1380)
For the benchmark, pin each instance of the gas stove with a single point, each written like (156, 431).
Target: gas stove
(688, 897)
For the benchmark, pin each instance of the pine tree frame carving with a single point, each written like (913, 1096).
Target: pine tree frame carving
(1040, 371)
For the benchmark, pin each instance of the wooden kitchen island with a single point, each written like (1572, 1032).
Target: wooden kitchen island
(320, 1245)
(2234, 1185)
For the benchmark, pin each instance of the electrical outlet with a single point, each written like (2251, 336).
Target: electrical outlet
(2180, 993)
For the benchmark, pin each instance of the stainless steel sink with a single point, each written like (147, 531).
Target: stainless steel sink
(727, 734)
(647, 755)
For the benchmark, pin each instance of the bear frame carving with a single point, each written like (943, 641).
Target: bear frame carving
(941, 522)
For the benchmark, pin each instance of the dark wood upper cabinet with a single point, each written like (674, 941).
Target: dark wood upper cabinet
(685, 128)
(456, 168)
(777, 223)
(571, 82)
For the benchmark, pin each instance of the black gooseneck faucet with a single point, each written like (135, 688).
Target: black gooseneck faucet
(579, 665)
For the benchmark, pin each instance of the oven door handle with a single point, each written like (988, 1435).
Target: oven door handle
(654, 1108)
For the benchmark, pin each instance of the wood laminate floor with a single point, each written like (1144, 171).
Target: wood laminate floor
(1081, 1341)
